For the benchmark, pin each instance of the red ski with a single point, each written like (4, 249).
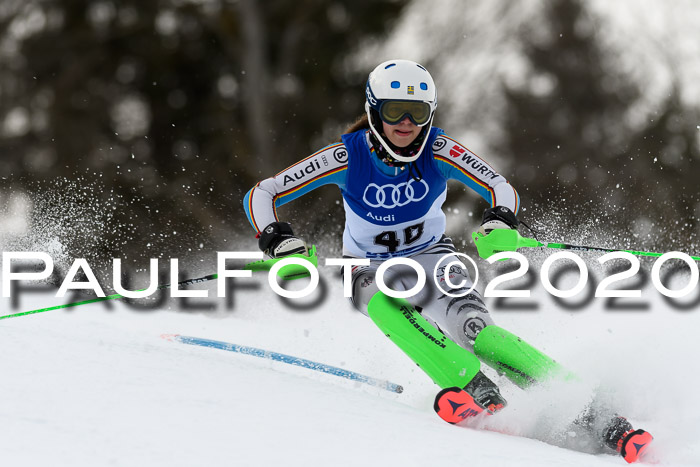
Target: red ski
(454, 405)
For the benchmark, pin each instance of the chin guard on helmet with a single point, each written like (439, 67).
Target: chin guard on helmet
(397, 89)
(387, 155)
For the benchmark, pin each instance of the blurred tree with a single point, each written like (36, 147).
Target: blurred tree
(567, 116)
(176, 107)
(569, 124)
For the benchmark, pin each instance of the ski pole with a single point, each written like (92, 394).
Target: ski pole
(287, 272)
(108, 297)
(288, 359)
(565, 246)
(499, 240)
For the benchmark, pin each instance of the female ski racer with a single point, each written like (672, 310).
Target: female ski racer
(392, 168)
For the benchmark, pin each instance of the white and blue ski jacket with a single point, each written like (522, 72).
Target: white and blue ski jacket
(386, 214)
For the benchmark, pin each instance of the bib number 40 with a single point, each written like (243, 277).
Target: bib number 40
(390, 238)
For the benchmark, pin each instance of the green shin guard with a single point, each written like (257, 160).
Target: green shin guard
(444, 361)
(519, 361)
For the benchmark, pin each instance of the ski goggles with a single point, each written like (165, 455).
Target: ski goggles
(392, 112)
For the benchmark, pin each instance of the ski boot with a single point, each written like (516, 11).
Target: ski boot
(621, 437)
(454, 404)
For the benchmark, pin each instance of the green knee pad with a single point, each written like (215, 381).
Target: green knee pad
(445, 362)
(519, 361)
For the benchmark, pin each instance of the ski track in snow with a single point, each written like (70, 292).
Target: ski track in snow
(97, 386)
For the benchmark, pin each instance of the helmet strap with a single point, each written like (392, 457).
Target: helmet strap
(390, 154)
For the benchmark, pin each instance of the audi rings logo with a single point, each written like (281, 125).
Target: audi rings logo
(390, 196)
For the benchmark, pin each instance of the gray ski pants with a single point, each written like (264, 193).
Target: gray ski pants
(459, 318)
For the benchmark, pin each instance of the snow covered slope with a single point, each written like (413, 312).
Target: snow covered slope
(99, 387)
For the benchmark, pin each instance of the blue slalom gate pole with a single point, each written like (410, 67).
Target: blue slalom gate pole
(289, 359)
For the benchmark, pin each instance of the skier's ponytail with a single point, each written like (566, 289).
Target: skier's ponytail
(362, 123)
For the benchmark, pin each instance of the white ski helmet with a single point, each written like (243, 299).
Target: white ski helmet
(397, 89)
